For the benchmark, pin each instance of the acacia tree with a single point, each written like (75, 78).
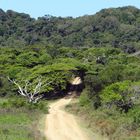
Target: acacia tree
(34, 95)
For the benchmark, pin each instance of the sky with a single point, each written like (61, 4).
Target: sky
(63, 8)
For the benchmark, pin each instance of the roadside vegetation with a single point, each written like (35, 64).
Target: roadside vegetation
(108, 122)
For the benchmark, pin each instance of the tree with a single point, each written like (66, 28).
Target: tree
(33, 97)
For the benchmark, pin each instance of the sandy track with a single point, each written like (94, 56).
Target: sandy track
(61, 125)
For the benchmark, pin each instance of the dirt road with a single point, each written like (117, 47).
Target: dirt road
(61, 125)
(76, 81)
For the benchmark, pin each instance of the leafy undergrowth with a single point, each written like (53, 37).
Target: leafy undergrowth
(109, 123)
(19, 123)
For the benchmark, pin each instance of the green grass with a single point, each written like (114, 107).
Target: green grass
(20, 124)
(17, 125)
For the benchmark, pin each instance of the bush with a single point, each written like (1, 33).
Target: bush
(118, 94)
(84, 99)
(22, 103)
(135, 114)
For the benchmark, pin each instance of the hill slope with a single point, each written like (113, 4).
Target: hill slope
(117, 27)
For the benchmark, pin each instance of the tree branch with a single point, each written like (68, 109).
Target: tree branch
(20, 91)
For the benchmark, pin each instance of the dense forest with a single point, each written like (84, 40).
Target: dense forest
(99, 48)
(117, 27)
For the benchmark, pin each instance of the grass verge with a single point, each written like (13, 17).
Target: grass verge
(19, 123)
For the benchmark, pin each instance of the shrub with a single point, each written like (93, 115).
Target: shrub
(84, 99)
(22, 103)
(119, 94)
(135, 113)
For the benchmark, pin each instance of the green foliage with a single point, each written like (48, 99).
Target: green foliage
(31, 62)
(116, 27)
(5, 87)
(124, 93)
(116, 92)
(135, 113)
(21, 103)
(84, 100)
(28, 59)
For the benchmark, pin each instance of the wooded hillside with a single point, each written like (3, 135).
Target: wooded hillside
(115, 27)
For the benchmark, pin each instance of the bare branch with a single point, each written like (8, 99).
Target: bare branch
(38, 98)
(34, 96)
(26, 85)
(20, 91)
